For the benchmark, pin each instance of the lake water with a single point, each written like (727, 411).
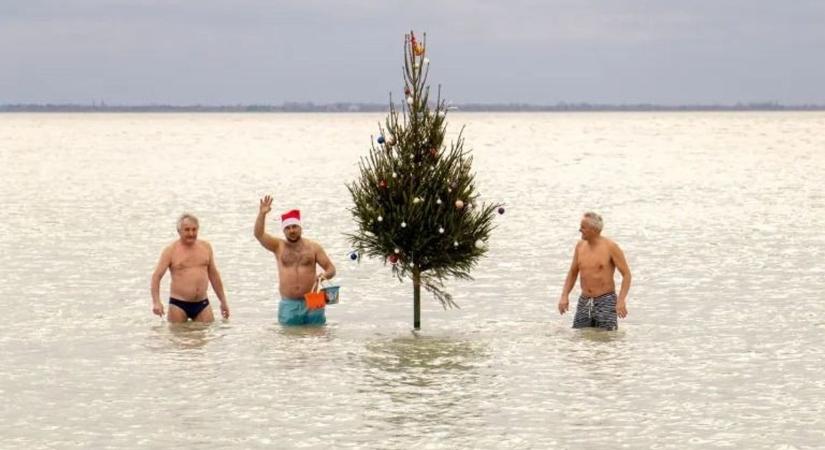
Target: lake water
(720, 216)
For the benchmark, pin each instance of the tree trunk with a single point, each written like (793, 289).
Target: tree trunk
(416, 298)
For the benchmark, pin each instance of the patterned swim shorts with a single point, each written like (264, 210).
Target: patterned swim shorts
(599, 312)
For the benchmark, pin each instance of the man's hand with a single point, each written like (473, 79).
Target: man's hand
(157, 309)
(225, 310)
(621, 308)
(266, 205)
(564, 304)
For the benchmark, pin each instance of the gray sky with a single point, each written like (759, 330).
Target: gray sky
(534, 51)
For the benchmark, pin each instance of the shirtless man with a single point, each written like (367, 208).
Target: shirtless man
(297, 260)
(193, 267)
(597, 259)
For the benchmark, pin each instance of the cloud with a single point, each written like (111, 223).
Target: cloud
(249, 51)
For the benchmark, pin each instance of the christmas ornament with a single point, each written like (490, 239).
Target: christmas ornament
(459, 204)
(382, 184)
(409, 100)
(397, 251)
(394, 175)
(407, 91)
(417, 200)
(455, 244)
(380, 219)
(479, 244)
(433, 152)
(390, 140)
(501, 210)
(353, 255)
(438, 201)
(426, 60)
(403, 224)
(380, 139)
(393, 259)
(418, 49)
(440, 230)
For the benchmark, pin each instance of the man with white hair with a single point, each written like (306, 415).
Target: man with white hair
(596, 258)
(297, 260)
(192, 265)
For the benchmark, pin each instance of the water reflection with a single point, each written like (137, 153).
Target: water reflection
(303, 331)
(596, 335)
(184, 336)
(422, 383)
(403, 355)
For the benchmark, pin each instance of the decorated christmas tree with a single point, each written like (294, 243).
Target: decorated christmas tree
(415, 203)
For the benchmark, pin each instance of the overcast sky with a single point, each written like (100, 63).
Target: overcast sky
(538, 51)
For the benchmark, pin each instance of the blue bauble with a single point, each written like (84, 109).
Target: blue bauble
(501, 210)
(353, 256)
(380, 139)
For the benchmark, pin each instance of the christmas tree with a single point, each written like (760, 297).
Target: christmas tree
(415, 203)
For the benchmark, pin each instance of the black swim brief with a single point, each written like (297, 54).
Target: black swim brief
(599, 312)
(192, 309)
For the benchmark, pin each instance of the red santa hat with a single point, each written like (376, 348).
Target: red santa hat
(291, 218)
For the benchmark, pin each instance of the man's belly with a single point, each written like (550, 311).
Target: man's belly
(295, 286)
(595, 286)
(189, 286)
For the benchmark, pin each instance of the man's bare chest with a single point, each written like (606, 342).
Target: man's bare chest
(189, 260)
(297, 258)
(590, 260)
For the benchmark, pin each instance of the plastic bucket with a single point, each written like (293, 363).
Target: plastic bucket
(331, 294)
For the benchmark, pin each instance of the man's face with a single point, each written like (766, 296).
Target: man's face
(587, 230)
(188, 232)
(292, 233)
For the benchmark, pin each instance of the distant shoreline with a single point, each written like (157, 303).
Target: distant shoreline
(383, 108)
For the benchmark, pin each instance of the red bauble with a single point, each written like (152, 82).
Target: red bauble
(382, 184)
(393, 259)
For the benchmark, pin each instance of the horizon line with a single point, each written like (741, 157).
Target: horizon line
(355, 107)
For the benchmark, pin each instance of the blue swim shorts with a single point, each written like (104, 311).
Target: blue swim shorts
(293, 311)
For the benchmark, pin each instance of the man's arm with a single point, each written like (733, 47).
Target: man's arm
(619, 260)
(217, 283)
(570, 281)
(163, 263)
(325, 263)
(268, 241)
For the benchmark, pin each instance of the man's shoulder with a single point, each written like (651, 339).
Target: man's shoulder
(204, 247)
(315, 246)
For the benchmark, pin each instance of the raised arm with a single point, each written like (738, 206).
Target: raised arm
(325, 263)
(570, 281)
(619, 260)
(163, 264)
(268, 241)
(217, 283)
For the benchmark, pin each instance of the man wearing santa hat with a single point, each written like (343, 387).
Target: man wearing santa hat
(298, 259)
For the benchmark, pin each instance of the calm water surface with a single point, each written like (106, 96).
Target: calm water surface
(719, 214)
